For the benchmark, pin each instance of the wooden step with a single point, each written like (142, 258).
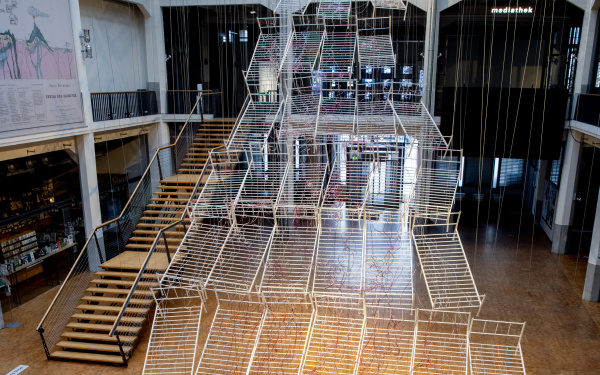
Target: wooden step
(177, 200)
(128, 283)
(165, 212)
(121, 300)
(153, 224)
(108, 318)
(149, 246)
(89, 357)
(166, 195)
(127, 275)
(177, 187)
(96, 336)
(207, 143)
(220, 119)
(90, 346)
(181, 183)
(170, 240)
(159, 205)
(118, 291)
(192, 165)
(150, 218)
(116, 309)
(169, 233)
(103, 327)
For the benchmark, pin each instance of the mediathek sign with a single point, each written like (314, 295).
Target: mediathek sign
(507, 10)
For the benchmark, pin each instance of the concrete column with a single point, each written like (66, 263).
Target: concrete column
(80, 62)
(158, 137)
(430, 55)
(563, 215)
(155, 51)
(90, 195)
(540, 190)
(585, 56)
(591, 288)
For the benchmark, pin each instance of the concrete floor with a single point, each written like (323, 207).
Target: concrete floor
(521, 279)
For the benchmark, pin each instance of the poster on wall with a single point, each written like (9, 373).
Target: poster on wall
(38, 76)
(548, 205)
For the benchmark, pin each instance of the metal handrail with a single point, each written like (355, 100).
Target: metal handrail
(96, 229)
(201, 91)
(160, 233)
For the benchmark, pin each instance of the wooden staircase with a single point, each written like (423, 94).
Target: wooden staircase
(86, 334)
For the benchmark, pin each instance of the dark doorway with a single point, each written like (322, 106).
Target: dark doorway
(586, 197)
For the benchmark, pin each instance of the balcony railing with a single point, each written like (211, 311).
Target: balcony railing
(124, 104)
(182, 102)
(588, 109)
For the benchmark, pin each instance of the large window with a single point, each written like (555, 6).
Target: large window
(595, 84)
(511, 172)
(478, 170)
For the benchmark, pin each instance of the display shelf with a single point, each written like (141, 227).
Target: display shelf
(40, 259)
(20, 249)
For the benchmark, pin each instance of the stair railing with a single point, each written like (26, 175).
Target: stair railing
(110, 238)
(125, 322)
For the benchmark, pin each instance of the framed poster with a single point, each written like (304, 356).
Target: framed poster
(39, 87)
(548, 204)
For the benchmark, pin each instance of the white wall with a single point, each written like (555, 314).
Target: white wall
(118, 42)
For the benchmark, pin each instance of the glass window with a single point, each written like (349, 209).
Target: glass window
(478, 170)
(243, 36)
(511, 172)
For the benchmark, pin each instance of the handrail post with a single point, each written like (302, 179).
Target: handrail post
(121, 350)
(98, 247)
(173, 160)
(41, 332)
(160, 174)
(201, 101)
(110, 111)
(120, 236)
(127, 113)
(164, 236)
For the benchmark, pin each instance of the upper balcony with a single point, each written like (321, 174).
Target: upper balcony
(108, 106)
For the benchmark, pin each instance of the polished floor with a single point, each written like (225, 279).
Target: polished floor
(514, 268)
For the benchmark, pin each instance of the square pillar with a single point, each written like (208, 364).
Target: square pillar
(585, 56)
(591, 288)
(90, 196)
(563, 216)
(540, 190)
(156, 57)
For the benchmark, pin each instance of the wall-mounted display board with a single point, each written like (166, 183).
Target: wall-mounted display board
(39, 89)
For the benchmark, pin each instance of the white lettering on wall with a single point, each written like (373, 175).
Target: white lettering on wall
(508, 10)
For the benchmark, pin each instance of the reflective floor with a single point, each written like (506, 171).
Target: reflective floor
(514, 268)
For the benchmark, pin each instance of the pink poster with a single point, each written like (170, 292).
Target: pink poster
(38, 75)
